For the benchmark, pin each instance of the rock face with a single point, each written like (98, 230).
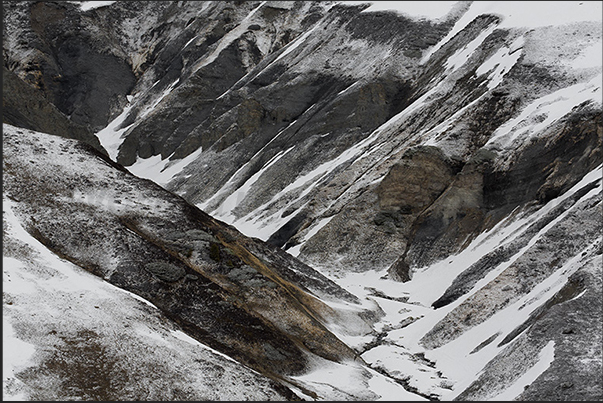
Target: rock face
(455, 158)
(81, 338)
(26, 107)
(72, 60)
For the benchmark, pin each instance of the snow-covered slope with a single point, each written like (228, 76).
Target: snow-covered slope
(438, 163)
(67, 334)
(106, 267)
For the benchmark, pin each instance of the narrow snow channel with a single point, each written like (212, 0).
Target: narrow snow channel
(111, 137)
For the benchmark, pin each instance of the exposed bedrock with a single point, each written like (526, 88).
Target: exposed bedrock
(205, 106)
(235, 294)
(76, 65)
(26, 107)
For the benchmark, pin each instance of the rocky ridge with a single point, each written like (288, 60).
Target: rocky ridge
(241, 297)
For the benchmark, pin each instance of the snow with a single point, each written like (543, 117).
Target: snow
(532, 14)
(592, 56)
(389, 390)
(16, 354)
(430, 282)
(232, 201)
(412, 108)
(546, 110)
(454, 359)
(262, 227)
(180, 335)
(294, 251)
(264, 44)
(403, 365)
(431, 134)
(138, 297)
(90, 5)
(231, 183)
(293, 45)
(501, 62)
(462, 55)
(525, 14)
(164, 94)
(434, 10)
(189, 41)
(229, 38)
(161, 171)
(255, 225)
(353, 380)
(111, 137)
(457, 366)
(24, 282)
(348, 88)
(501, 323)
(17, 281)
(43, 292)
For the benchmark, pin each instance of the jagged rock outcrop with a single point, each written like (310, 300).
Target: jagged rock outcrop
(26, 107)
(69, 57)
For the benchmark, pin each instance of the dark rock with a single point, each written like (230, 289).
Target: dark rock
(25, 107)
(166, 271)
(280, 237)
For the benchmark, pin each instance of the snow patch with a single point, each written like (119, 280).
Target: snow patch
(90, 5)
(433, 10)
(592, 56)
(293, 45)
(294, 251)
(232, 201)
(112, 137)
(525, 14)
(16, 354)
(351, 379)
(161, 171)
(546, 110)
(261, 226)
(500, 63)
(461, 56)
(229, 38)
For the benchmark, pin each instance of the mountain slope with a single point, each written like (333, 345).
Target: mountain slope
(250, 301)
(67, 334)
